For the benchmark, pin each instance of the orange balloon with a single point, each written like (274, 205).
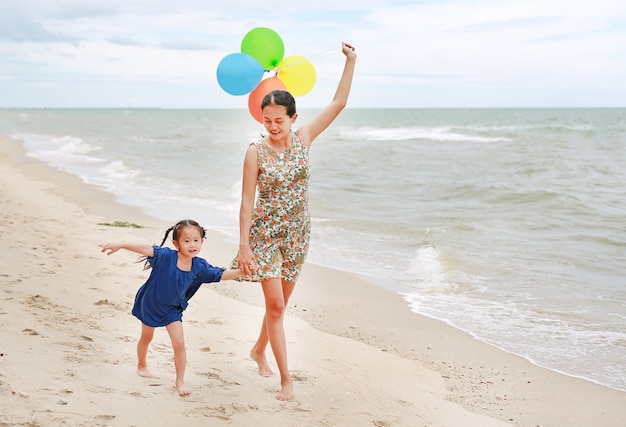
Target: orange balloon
(256, 96)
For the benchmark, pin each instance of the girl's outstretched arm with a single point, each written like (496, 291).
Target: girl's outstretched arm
(141, 249)
(232, 274)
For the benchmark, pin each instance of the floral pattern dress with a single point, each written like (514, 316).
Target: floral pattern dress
(281, 223)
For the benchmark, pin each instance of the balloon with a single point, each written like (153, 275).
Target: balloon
(239, 73)
(256, 96)
(265, 45)
(298, 74)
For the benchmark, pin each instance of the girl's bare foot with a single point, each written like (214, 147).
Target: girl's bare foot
(143, 371)
(261, 361)
(183, 390)
(286, 392)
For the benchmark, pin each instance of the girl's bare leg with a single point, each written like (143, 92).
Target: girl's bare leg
(175, 330)
(277, 293)
(147, 332)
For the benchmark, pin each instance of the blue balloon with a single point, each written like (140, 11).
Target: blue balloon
(239, 73)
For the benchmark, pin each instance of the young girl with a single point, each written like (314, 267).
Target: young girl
(175, 277)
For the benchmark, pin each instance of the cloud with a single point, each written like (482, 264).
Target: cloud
(525, 23)
(16, 24)
(430, 53)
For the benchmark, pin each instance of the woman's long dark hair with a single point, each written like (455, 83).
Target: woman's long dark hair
(280, 97)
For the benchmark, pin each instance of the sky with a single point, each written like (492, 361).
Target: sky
(411, 54)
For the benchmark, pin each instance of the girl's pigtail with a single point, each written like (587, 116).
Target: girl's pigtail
(144, 259)
(167, 233)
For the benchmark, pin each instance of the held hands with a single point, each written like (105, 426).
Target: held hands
(245, 261)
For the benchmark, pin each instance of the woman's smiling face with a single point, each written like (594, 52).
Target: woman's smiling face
(277, 122)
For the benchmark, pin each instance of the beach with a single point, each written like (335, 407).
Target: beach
(357, 354)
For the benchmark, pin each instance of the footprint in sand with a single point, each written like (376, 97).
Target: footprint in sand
(223, 412)
(298, 376)
(104, 417)
(162, 347)
(212, 376)
(100, 389)
(39, 301)
(107, 303)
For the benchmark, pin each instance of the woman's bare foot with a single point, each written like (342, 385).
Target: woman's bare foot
(183, 390)
(286, 392)
(261, 361)
(143, 371)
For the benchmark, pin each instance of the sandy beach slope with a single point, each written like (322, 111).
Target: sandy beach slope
(358, 356)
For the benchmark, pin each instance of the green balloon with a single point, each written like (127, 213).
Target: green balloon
(265, 45)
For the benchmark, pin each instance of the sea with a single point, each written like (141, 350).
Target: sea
(509, 224)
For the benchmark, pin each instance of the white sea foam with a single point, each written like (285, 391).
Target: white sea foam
(414, 133)
(117, 170)
(73, 145)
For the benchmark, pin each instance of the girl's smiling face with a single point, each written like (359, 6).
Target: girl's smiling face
(189, 241)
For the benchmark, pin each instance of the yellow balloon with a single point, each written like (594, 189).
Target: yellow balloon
(297, 74)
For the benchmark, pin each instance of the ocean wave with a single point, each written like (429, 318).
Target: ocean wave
(414, 133)
(545, 339)
(119, 171)
(59, 150)
(574, 127)
(426, 275)
(73, 145)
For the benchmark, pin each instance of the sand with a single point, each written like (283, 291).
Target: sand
(358, 356)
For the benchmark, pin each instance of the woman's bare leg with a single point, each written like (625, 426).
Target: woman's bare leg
(258, 351)
(277, 293)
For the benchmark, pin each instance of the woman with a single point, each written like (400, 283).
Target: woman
(274, 234)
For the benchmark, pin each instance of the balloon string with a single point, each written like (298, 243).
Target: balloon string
(328, 52)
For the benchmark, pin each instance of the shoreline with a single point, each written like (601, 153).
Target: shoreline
(420, 367)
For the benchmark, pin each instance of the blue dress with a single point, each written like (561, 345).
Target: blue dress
(166, 293)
